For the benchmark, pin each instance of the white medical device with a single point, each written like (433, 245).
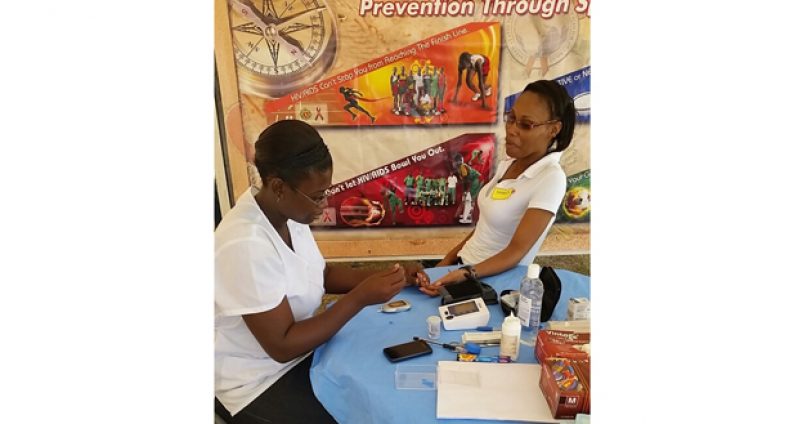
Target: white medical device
(395, 306)
(468, 314)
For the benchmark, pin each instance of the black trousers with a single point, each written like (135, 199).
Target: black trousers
(289, 400)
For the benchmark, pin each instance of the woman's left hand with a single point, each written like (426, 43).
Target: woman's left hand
(415, 274)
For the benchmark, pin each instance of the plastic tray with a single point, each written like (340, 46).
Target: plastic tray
(416, 377)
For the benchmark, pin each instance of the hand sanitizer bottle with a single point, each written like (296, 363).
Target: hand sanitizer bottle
(530, 300)
(511, 335)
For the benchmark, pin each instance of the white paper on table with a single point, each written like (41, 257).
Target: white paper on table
(491, 391)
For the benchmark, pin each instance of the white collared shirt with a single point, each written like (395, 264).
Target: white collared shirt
(254, 271)
(540, 186)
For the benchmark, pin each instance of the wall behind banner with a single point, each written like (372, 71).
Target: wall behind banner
(337, 39)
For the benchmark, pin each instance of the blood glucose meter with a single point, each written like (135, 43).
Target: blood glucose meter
(468, 314)
(395, 306)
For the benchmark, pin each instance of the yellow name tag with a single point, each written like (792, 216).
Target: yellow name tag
(499, 193)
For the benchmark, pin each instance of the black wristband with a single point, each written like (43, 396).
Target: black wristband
(472, 273)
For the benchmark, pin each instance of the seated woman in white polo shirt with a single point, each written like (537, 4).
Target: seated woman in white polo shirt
(517, 207)
(270, 277)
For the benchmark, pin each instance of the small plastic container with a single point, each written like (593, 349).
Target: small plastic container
(434, 327)
(416, 377)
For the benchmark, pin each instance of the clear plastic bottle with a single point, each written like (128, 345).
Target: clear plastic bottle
(530, 300)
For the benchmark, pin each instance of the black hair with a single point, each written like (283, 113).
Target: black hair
(290, 149)
(561, 107)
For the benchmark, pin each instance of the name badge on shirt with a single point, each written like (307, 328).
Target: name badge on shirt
(499, 193)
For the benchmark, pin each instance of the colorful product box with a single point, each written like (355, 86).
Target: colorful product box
(562, 344)
(583, 370)
(564, 384)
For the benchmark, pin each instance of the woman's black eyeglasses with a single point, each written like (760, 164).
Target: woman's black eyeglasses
(509, 118)
(318, 200)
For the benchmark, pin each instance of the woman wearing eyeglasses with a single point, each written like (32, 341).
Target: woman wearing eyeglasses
(270, 277)
(517, 207)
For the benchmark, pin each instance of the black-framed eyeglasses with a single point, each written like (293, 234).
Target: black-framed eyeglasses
(318, 200)
(509, 119)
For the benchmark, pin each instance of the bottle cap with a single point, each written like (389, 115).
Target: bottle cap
(533, 271)
(511, 320)
(434, 327)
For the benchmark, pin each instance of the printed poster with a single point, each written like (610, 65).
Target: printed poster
(437, 186)
(379, 80)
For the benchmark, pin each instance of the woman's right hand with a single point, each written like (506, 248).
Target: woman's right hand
(381, 286)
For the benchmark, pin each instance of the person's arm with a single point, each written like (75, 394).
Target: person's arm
(529, 230)
(451, 257)
(342, 279)
(459, 82)
(481, 81)
(284, 339)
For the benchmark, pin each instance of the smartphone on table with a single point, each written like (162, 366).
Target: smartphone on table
(407, 350)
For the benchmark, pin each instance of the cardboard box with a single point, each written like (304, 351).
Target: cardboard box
(583, 370)
(578, 308)
(561, 344)
(563, 387)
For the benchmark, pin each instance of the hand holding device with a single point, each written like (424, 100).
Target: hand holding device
(381, 286)
(415, 274)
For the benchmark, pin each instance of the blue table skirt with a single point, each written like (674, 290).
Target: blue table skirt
(355, 382)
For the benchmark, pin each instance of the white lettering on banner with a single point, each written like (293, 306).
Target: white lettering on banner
(434, 151)
(380, 172)
(417, 8)
(574, 180)
(385, 170)
(396, 166)
(345, 77)
(418, 157)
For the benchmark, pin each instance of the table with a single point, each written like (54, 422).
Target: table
(355, 382)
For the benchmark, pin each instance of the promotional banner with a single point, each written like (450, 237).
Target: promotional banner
(575, 205)
(449, 77)
(436, 186)
(383, 81)
(577, 84)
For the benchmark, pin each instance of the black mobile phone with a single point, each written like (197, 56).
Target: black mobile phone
(408, 350)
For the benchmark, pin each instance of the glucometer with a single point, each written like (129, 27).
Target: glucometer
(464, 315)
(395, 306)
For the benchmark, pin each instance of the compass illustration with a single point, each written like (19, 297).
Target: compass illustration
(529, 36)
(282, 45)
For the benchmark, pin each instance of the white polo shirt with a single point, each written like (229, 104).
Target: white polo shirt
(255, 270)
(451, 181)
(540, 186)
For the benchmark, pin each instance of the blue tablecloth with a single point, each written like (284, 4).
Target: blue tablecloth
(355, 382)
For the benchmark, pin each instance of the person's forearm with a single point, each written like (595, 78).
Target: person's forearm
(342, 279)
(451, 257)
(306, 335)
(498, 263)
